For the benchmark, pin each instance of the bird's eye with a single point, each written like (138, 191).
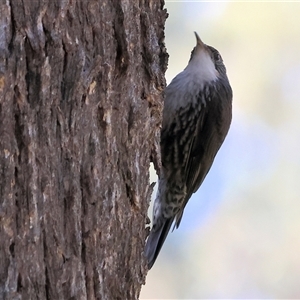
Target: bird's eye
(218, 57)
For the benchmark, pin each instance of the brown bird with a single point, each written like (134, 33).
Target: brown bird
(196, 119)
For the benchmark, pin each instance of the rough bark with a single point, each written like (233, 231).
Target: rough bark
(80, 112)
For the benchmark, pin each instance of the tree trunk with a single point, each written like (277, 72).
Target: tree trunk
(80, 113)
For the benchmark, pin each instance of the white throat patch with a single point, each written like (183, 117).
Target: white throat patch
(188, 84)
(202, 68)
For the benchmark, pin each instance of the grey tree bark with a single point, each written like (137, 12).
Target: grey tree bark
(80, 110)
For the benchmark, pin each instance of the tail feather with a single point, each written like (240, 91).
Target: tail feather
(155, 241)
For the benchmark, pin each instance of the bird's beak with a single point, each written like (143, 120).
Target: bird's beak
(200, 44)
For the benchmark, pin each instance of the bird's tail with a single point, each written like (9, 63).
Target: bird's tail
(156, 239)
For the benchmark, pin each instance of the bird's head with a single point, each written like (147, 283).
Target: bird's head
(206, 61)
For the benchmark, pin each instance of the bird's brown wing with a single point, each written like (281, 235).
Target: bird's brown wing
(207, 140)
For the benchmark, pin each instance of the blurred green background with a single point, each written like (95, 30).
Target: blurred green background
(240, 233)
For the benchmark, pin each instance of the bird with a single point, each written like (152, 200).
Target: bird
(197, 115)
